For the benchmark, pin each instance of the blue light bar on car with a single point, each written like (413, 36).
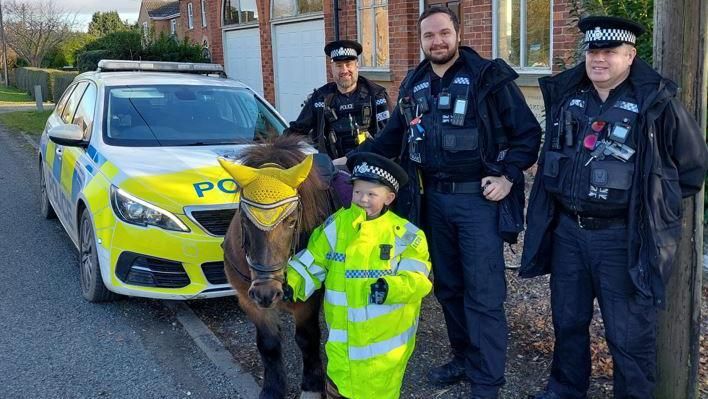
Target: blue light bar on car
(158, 66)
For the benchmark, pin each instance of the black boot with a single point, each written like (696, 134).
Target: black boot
(448, 373)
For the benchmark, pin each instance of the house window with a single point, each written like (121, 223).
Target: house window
(293, 8)
(203, 8)
(523, 33)
(240, 12)
(146, 30)
(190, 16)
(372, 16)
(173, 26)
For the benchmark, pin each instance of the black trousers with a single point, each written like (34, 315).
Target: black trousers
(589, 264)
(469, 282)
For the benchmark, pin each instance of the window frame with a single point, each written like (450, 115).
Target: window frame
(359, 8)
(298, 14)
(238, 23)
(173, 26)
(203, 12)
(88, 132)
(190, 16)
(69, 118)
(522, 38)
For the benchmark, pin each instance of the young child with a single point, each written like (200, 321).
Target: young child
(374, 266)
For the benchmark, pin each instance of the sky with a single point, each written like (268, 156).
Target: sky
(84, 9)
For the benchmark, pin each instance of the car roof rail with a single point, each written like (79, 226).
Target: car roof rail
(160, 66)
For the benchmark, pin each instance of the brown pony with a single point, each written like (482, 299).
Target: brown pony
(255, 261)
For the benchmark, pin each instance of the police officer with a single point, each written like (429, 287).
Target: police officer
(342, 114)
(462, 128)
(604, 215)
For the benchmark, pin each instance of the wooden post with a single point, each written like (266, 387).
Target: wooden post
(680, 44)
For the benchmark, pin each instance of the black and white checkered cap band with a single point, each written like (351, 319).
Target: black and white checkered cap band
(343, 52)
(609, 35)
(364, 168)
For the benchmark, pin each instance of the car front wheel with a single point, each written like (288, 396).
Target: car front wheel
(45, 207)
(92, 287)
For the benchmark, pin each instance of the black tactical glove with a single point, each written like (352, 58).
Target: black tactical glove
(288, 293)
(379, 291)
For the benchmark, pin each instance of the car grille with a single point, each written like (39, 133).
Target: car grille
(214, 221)
(214, 272)
(146, 271)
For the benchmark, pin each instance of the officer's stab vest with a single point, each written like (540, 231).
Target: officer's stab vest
(603, 187)
(444, 148)
(351, 116)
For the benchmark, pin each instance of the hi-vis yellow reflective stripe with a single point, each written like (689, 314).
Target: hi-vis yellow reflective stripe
(371, 311)
(338, 298)
(380, 348)
(300, 269)
(331, 233)
(336, 335)
(413, 265)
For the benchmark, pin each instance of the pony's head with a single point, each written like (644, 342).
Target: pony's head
(271, 218)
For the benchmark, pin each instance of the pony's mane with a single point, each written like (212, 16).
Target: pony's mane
(287, 151)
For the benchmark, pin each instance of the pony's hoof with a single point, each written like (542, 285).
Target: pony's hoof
(311, 395)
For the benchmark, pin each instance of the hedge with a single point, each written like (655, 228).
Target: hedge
(88, 60)
(62, 80)
(53, 82)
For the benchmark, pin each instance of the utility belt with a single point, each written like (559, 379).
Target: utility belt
(591, 222)
(455, 187)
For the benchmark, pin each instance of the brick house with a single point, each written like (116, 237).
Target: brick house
(275, 46)
(160, 16)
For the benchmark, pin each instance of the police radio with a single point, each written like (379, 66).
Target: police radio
(444, 100)
(458, 114)
(619, 132)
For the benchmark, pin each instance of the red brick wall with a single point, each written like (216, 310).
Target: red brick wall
(565, 34)
(214, 23)
(476, 26)
(266, 50)
(197, 34)
(404, 46)
(403, 37)
(163, 26)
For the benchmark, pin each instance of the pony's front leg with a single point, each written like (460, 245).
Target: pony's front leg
(275, 383)
(267, 322)
(307, 336)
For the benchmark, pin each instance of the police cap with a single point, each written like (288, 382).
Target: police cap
(342, 50)
(608, 32)
(378, 169)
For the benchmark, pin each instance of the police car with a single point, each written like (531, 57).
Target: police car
(128, 163)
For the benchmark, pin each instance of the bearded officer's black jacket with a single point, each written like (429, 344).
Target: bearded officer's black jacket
(325, 117)
(670, 163)
(500, 135)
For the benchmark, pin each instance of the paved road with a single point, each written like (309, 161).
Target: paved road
(53, 344)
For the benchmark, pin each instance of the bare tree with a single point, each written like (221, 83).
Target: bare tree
(34, 28)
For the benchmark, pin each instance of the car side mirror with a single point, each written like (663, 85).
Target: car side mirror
(69, 135)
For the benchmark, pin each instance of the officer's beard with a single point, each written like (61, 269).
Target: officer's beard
(440, 59)
(346, 85)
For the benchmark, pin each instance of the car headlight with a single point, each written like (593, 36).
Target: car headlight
(133, 210)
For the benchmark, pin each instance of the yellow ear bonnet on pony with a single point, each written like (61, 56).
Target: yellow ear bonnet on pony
(269, 193)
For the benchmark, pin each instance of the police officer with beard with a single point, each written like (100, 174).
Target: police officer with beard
(465, 134)
(342, 114)
(604, 214)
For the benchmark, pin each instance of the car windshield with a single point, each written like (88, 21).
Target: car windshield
(183, 115)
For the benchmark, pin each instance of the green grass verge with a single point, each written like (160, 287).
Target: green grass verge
(13, 95)
(31, 122)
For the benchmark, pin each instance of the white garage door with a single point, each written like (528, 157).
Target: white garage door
(299, 63)
(242, 57)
